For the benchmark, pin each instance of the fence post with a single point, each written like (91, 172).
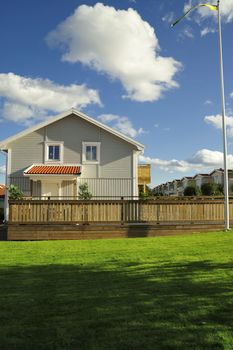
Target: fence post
(158, 213)
(122, 210)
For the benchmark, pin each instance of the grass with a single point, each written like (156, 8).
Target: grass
(134, 294)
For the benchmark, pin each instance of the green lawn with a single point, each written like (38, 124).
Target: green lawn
(130, 294)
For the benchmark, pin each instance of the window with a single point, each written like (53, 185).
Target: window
(91, 152)
(54, 152)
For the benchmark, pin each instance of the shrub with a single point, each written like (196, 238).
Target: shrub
(83, 192)
(190, 191)
(207, 189)
(210, 189)
(1, 215)
(15, 192)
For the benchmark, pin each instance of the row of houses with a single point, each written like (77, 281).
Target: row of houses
(177, 187)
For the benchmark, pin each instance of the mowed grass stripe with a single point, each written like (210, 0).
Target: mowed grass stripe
(158, 293)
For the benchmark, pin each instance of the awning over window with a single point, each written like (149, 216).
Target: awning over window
(53, 170)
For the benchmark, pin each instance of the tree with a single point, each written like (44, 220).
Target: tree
(149, 192)
(15, 192)
(83, 192)
(219, 191)
(190, 191)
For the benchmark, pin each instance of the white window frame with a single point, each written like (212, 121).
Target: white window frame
(84, 145)
(56, 161)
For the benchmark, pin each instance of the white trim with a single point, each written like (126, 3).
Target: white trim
(51, 176)
(135, 173)
(84, 145)
(46, 152)
(4, 143)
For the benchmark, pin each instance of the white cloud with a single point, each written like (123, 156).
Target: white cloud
(2, 169)
(122, 124)
(120, 44)
(186, 32)
(202, 160)
(207, 30)
(169, 17)
(203, 12)
(208, 102)
(27, 99)
(216, 122)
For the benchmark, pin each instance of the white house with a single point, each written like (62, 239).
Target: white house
(54, 157)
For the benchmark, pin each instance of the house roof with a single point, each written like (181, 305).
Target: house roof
(41, 169)
(220, 170)
(187, 177)
(4, 143)
(2, 190)
(204, 175)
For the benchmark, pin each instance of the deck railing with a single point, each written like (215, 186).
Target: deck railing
(117, 211)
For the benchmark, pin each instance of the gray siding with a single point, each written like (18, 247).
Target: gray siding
(116, 157)
(26, 151)
(73, 131)
(102, 188)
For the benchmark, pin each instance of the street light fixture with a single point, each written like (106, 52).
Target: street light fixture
(226, 190)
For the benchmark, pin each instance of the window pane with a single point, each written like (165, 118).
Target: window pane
(94, 153)
(88, 153)
(50, 152)
(57, 152)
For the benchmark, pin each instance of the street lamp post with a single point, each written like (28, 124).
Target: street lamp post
(226, 189)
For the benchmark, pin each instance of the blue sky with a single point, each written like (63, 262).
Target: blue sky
(120, 62)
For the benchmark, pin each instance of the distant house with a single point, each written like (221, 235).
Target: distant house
(54, 158)
(217, 176)
(174, 188)
(186, 181)
(177, 187)
(201, 179)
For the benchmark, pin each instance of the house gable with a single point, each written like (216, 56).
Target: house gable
(4, 144)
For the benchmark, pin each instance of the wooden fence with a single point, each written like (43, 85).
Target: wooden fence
(117, 211)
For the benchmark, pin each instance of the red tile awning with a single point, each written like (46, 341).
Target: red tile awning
(53, 170)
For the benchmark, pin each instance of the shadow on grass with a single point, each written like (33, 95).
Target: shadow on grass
(117, 306)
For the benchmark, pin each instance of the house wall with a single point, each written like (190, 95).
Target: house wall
(116, 155)
(200, 180)
(26, 151)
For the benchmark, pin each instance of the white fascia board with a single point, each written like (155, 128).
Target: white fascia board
(4, 143)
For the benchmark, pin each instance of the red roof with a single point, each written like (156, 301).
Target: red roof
(2, 190)
(54, 169)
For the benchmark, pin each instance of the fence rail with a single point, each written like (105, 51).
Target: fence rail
(117, 211)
